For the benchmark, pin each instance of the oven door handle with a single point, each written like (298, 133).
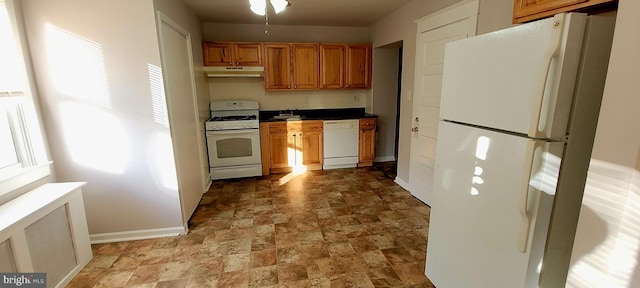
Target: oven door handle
(234, 132)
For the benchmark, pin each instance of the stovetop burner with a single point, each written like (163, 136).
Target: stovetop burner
(234, 118)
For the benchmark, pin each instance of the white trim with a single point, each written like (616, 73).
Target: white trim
(136, 235)
(385, 159)
(24, 177)
(208, 185)
(402, 184)
(453, 13)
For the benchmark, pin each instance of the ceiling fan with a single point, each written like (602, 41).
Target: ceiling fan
(260, 6)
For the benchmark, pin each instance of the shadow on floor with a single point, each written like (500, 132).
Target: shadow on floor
(389, 169)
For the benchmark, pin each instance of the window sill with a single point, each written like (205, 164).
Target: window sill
(25, 177)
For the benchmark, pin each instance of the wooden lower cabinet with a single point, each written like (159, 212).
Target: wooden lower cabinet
(367, 142)
(289, 144)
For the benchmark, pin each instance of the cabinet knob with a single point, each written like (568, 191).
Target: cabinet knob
(295, 86)
(288, 87)
(230, 63)
(237, 63)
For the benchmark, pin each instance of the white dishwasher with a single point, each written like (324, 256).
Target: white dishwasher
(340, 144)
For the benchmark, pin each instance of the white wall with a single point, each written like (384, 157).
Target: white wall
(284, 33)
(400, 26)
(253, 89)
(606, 252)
(96, 64)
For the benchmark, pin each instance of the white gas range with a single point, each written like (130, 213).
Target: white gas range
(233, 139)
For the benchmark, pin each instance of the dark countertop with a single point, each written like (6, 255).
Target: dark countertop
(318, 114)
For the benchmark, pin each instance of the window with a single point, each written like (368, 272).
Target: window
(22, 153)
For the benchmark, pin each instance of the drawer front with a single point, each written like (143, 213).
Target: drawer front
(312, 126)
(293, 126)
(367, 123)
(277, 127)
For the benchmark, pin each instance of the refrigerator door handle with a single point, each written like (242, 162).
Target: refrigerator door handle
(524, 201)
(552, 51)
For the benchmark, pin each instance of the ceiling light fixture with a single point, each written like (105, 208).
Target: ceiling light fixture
(260, 6)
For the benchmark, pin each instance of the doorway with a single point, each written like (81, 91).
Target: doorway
(386, 104)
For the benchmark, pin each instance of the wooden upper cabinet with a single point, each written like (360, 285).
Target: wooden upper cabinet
(232, 54)
(291, 66)
(277, 70)
(332, 66)
(529, 10)
(248, 54)
(305, 66)
(358, 73)
(218, 54)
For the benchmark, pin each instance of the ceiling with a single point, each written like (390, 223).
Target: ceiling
(354, 13)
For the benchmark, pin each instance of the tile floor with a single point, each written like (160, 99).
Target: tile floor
(336, 228)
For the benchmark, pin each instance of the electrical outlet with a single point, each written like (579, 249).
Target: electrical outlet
(306, 99)
(355, 98)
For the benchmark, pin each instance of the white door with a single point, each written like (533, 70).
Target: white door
(498, 79)
(426, 103)
(489, 219)
(175, 48)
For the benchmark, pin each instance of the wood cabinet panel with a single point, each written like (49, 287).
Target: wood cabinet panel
(232, 54)
(367, 142)
(305, 66)
(278, 150)
(358, 73)
(248, 55)
(218, 54)
(292, 143)
(277, 66)
(332, 66)
(529, 10)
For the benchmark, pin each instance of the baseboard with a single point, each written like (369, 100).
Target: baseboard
(136, 235)
(73, 273)
(385, 159)
(208, 185)
(402, 184)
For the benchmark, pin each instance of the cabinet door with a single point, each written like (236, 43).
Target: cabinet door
(367, 142)
(295, 149)
(529, 10)
(305, 66)
(359, 66)
(528, 7)
(312, 148)
(218, 54)
(248, 54)
(277, 66)
(332, 66)
(279, 150)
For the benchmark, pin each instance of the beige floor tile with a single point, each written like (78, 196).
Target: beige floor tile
(334, 228)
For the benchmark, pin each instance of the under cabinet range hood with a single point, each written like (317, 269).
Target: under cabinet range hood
(234, 72)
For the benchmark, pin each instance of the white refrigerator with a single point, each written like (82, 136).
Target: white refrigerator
(518, 114)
